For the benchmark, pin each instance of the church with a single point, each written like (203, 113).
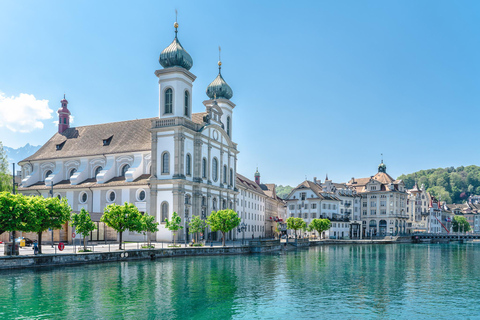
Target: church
(180, 161)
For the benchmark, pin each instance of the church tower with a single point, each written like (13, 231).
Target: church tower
(175, 81)
(221, 92)
(63, 116)
(257, 177)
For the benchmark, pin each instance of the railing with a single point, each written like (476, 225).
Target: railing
(175, 121)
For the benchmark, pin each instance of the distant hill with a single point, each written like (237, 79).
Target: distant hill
(283, 191)
(15, 155)
(453, 185)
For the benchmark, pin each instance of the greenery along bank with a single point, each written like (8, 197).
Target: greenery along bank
(38, 214)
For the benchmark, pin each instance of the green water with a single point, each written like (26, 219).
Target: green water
(436, 281)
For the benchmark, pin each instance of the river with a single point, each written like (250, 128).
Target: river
(397, 281)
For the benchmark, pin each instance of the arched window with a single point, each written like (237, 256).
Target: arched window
(204, 201)
(97, 170)
(164, 212)
(214, 204)
(188, 165)
(225, 174)
(187, 102)
(124, 170)
(224, 204)
(228, 126)
(168, 101)
(72, 172)
(204, 168)
(215, 169)
(165, 163)
(231, 177)
(48, 173)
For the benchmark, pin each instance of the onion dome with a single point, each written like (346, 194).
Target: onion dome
(382, 167)
(257, 174)
(174, 55)
(219, 89)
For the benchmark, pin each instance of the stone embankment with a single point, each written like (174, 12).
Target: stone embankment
(256, 246)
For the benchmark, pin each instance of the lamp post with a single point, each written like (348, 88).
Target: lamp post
(241, 228)
(187, 205)
(51, 196)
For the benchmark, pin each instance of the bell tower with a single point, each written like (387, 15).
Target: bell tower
(63, 116)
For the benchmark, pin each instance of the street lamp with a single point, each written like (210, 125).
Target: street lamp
(241, 228)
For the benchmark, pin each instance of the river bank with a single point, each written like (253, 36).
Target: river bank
(106, 253)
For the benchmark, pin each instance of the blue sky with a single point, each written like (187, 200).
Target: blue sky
(320, 86)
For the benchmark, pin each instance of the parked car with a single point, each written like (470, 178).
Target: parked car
(28, 242)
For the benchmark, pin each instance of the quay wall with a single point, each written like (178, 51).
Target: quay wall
(49, 260)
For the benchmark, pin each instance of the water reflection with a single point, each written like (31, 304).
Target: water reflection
(350, 281)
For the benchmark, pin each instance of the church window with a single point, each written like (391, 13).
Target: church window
(141, 195)
(111, 196)
(97, 170)
(165, 163)
(164, 212)
(83, 197)
(228, 126)
(124, 170)
(215, 169)
(72, 172)
(204, 168)
(214, 204)
(188, 165)
(168, 101)
(224, 204)
(187, 101)
(225, 174)
(48, 173)
(231, 177)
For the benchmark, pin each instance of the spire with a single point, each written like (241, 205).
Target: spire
(219, 88)
(326, 177)
(175, 55)
(382, 167)
(257, 177)
(63, 116)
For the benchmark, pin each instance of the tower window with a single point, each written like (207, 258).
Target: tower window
(225, 174)
(165, 163)
(188, 165)
(228, 126)
(168, 101)
(204, 168)
(215, 169)
(64, 120)
(231, 177)
(187, 102)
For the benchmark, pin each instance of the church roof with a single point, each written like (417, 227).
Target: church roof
(198, 117)
(124, 136)
(242, 181)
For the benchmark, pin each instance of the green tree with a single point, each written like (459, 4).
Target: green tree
(319, 225)
(460, 224)
(223, 221)
(283, 191)
(149, 226)
(197, 225)
(5, 177)
(83, 225)
(15, 213)
(174, 224)
(48, 213)
(122, 218)
(295, 224)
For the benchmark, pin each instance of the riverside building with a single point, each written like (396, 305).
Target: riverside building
(178, 161)
(384, 201)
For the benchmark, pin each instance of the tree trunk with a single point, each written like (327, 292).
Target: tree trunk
(84, 244)
(12, 251)
(39, 237)
(120, 244)
(223, 238)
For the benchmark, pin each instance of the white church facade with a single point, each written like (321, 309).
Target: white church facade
(180, 161)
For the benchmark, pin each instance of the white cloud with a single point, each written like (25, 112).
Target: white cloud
(23, 113)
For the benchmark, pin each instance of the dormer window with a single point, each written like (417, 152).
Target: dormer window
(106, 142)
(60, 145)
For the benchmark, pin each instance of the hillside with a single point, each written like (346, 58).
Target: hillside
(283, 191)
(453, 185)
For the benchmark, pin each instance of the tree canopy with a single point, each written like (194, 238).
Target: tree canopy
(5, 176)
(223, 221)
(122, 218)
(83, 225)
(319, 225)
(453, 185)
(460, 224)
(174, 224)
(296, 224)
